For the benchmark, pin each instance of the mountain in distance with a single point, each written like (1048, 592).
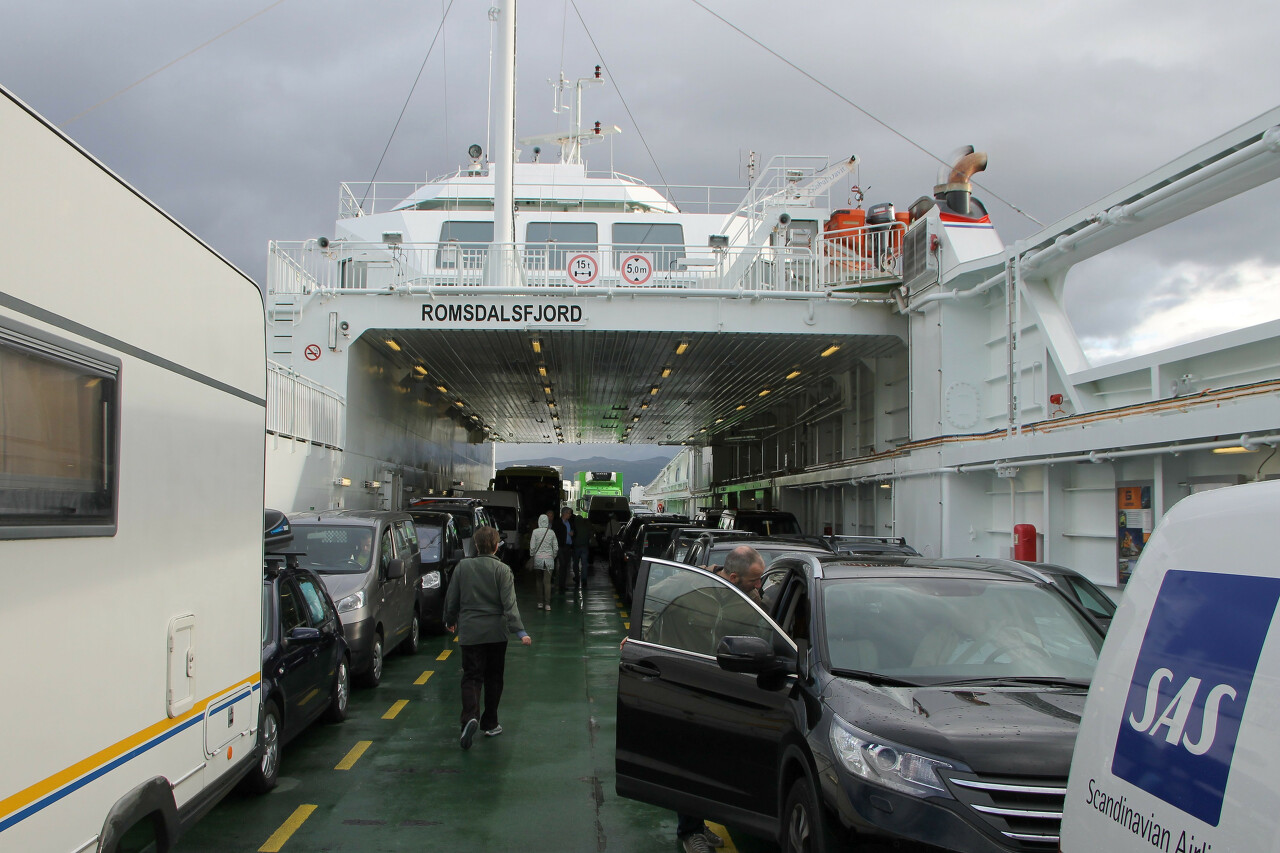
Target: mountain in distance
(640, 471)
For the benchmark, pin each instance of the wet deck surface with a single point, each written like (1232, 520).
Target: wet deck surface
(545, 784)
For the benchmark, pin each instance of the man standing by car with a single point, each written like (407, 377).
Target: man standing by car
(481, 607)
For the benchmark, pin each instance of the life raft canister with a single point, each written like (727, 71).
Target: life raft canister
(846, 227)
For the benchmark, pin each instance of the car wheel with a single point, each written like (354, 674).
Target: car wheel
(412, 642)
(374, 675)
(337, 710)
(804, 827)
(263, 777)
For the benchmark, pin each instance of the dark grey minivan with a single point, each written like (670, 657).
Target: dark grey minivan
(369, 562)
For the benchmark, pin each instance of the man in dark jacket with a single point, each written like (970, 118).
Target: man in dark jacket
(575, 545)
(481, 607)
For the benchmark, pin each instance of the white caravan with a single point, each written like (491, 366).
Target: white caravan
(1178, 745)
(132, 401)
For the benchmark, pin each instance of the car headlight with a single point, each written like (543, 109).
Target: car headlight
(354, 601)
(885, 763)
(431, 580)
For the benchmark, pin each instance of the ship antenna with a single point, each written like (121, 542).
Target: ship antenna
(494, 11)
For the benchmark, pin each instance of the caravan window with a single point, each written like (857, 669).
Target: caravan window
(58, 437)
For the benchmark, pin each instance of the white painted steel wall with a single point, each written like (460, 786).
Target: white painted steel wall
(86, 619)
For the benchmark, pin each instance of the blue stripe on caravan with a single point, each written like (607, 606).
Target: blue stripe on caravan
(49, 799)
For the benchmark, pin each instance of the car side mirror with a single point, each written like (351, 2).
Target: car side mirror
(458, 554)
(301, 634)
(755, 656)
(395, 569)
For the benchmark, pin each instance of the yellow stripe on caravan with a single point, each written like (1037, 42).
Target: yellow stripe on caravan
(30, 794)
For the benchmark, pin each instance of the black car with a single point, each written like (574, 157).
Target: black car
(468, 514)
(708, 517)
(685, 537)
(441, 550)
(650, 540)
(876, 697)
(766, 522)
(305, 662)
(620, 544)
(843, 544)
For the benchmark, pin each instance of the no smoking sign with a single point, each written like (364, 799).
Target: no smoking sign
(312, 352)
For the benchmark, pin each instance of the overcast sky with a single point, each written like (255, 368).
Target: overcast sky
(247, 139)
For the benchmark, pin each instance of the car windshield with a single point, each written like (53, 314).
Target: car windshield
(430, 540)
(334, 548)
(948, 630)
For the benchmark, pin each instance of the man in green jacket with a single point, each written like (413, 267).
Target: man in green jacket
(481, 607)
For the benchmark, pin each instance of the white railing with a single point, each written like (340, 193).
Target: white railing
(867, 258)
(301, 409)
(363, 199)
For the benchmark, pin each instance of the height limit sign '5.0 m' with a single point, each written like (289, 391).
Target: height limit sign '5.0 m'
(637, 269)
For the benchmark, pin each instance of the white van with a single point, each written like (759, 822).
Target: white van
(1178, 747)
(132, 394)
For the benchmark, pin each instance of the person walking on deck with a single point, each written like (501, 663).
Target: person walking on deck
(577, 544)
(544, 547)
(481, 607)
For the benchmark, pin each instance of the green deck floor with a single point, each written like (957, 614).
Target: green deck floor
(545, 784)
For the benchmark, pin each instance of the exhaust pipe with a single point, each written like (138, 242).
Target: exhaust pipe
(955, 189)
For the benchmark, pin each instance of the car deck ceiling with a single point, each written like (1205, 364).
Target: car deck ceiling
(600, 380)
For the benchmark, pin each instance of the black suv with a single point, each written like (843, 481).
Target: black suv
(468, 514)
(766, 522)
(889, 697)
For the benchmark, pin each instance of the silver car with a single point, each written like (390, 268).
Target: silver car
(369, 562)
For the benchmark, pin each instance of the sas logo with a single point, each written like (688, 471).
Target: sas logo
(1190, 686)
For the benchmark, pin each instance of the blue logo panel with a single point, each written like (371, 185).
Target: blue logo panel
(1190, 686)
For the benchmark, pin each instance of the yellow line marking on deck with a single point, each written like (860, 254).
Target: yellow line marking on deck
(354, 755)
(620, 604)
(395, 709)
(287, 829)
(623, 614)
(455, 639)
(444, 654)
(422, 679)
(626, 625)
(719, 830)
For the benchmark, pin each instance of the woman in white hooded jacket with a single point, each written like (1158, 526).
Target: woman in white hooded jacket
(543, 548)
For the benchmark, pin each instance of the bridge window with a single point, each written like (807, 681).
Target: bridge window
(663, 241)
(58, 437)
(463, 244)
(551, 244)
